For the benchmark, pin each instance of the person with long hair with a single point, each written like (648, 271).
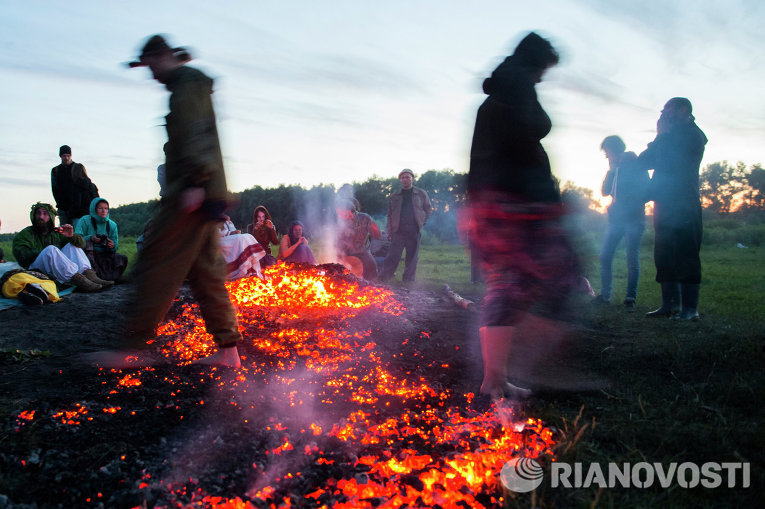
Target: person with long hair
(294, 246)
(262, 228)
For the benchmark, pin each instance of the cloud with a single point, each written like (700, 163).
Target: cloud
(23, 182)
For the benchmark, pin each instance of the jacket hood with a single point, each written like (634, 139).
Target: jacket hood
(533, 53)
(48, 207)
(93, 203)
(255, 214)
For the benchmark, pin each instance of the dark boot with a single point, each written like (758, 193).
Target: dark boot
(91, 274)
(84, 284)
(670, 301)
(29, 299)
(690, 300)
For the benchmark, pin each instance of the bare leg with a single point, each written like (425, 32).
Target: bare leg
(496, 343)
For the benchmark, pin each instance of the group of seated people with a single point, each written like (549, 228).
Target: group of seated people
(247, 253)
(85, 255)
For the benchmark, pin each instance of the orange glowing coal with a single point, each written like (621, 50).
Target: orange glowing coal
(412, 443)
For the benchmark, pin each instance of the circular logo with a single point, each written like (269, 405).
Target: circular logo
(521, 475)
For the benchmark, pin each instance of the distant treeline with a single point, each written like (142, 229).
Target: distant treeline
(724, 189)
(316, 206)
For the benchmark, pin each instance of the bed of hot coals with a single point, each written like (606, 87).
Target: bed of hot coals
(341, 401)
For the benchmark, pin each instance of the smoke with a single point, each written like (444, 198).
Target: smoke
(318, 210)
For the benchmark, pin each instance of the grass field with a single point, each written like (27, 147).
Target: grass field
(680, 392)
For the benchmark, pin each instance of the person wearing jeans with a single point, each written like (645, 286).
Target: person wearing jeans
(626, 182)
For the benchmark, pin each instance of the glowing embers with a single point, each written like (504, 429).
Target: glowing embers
(286, 294)
(311, 292)
(363, 430)
(450, 458)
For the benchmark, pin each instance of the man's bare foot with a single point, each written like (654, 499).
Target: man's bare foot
(499, 390)
(122, 359)
(226, 357)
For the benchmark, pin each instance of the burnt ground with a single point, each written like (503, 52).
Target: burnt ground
(188, 434)
(180, 435)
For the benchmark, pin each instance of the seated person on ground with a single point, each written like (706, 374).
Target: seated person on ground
(56, 252)
(29, 287)
(354, 230)
(227, 227)
(241, 251)
(102, 241)
(294, 246)
(262, 228)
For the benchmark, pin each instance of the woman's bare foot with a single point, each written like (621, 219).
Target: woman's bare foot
(499, 390)
(227, 357)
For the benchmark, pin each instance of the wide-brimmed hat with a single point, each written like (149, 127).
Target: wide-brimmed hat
(154, 46)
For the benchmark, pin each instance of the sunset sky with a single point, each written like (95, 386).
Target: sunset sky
(332, 91)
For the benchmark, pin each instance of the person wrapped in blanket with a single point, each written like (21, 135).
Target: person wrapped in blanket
(102, 238)
(241, 251)
(516, 211)
(294, 248)
(30, 287)
(56, 252)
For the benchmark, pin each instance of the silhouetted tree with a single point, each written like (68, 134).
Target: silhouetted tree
(576, 198)
(756, 181)
(722, 186)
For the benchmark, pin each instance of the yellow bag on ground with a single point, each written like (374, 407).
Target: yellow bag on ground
(17, 282)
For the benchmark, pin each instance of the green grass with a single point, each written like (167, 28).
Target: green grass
(732, 277)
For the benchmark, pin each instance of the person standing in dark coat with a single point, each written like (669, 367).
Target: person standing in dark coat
(626, 182)
(72, 188)
(675, 156)
(516, 211)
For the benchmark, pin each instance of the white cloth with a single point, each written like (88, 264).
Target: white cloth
(242, 254)
(61, 264)
(226, 228)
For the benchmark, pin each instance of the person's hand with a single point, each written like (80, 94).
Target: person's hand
(663, 124)
(109, 243)
(191, 199)
(269, 224)
(95, 239)
(67, 230)
(235, 232)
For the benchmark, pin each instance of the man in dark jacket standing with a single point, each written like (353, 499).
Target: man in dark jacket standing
(408, 209)
(72, 188)
(183, 242)
(675, 156)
